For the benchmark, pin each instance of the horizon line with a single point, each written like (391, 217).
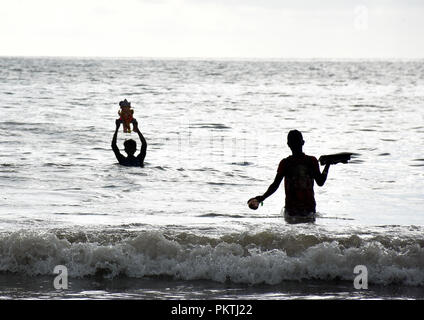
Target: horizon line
(210, 58)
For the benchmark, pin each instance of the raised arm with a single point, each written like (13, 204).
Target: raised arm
(143, 150)
(115, 148)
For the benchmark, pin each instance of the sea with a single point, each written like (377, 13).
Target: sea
(76, 225)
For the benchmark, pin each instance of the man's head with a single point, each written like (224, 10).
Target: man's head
(130, 147)
(295, 140)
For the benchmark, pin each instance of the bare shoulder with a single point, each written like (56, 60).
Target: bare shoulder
(312, 159)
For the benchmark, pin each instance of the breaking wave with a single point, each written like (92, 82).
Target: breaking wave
(250, 258)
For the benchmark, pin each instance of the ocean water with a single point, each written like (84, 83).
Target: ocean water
(179, 228)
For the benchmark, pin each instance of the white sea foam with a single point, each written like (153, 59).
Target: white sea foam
(224, 259)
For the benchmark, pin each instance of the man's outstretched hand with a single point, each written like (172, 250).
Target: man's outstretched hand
(258, 198)
(118, 123)
(253, 203)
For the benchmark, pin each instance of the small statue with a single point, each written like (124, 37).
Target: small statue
(126, 115)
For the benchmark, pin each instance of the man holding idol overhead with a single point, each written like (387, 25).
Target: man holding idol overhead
(130, 146)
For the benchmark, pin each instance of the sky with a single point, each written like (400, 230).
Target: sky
(213, 28)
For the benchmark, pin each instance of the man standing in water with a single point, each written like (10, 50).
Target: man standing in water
(130, 147)
(299, 171)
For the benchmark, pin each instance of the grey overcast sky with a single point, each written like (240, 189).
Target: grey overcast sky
(216, 29)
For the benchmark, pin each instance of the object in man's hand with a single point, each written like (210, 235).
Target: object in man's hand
(342, 157)
(126, 115)
(253, 204)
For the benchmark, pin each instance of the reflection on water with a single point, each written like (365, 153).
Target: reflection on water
(166, 289)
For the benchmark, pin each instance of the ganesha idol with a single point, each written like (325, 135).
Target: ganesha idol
(126, 115)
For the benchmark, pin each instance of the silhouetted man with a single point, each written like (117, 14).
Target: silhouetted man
(299, 171)
(130, 147)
